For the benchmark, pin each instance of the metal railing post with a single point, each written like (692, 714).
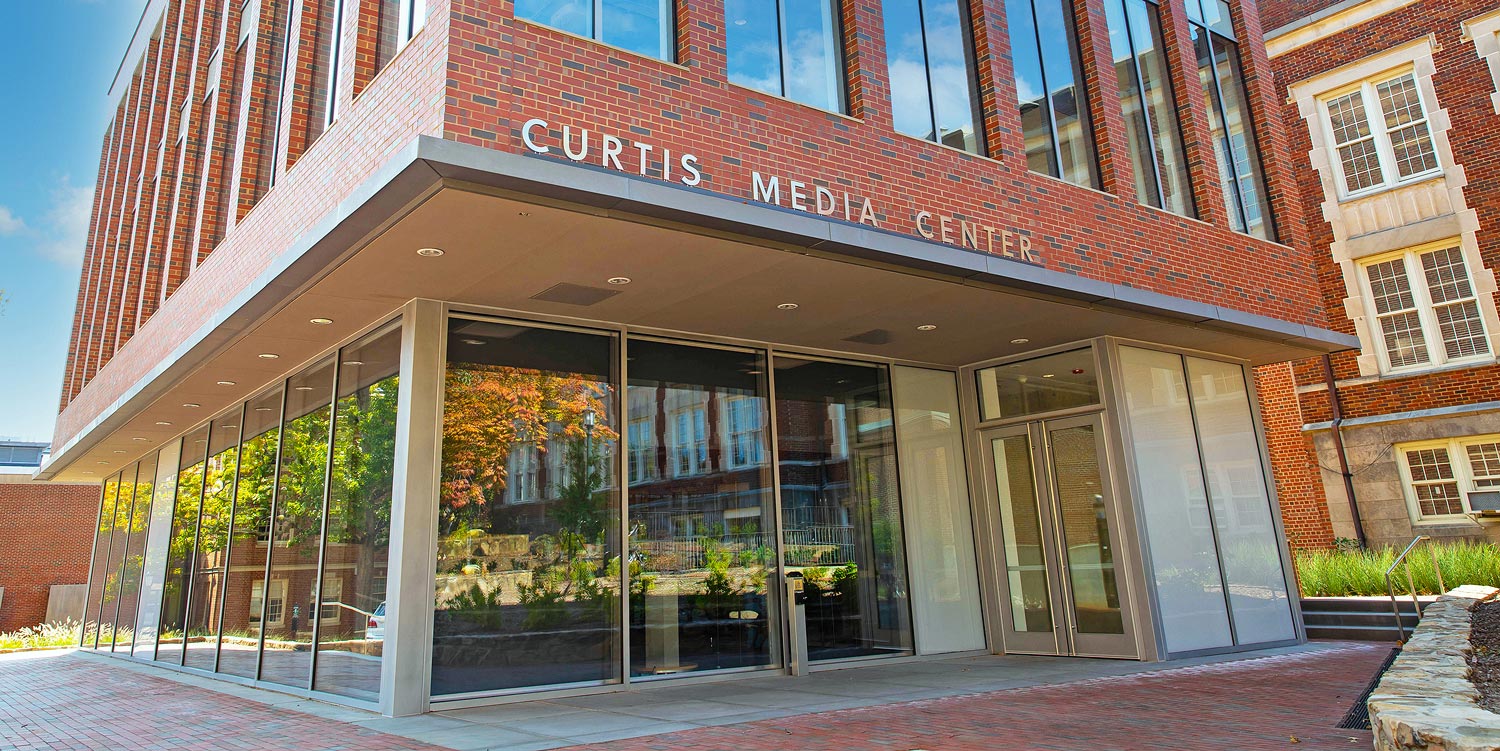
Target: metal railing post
(1411, 585)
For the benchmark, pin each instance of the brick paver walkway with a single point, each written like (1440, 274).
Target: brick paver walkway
(1288, 702)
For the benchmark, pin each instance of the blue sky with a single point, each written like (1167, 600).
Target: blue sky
(57, 71)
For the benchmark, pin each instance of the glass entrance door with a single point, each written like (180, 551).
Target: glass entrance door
(1061, 593)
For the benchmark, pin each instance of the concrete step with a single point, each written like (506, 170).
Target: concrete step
(1355, 633)
(1360, 604)
(1349, 618)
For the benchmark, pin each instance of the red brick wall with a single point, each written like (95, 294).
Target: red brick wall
(1299, 485)
(46, 535)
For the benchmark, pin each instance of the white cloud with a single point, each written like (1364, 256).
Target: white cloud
(10, 223)
(66, 224)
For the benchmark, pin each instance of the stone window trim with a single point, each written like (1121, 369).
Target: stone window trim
(1387, 172)
(1426, 310)
(1457, 470)
(1484, 33)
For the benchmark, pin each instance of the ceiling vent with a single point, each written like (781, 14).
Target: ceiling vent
(575, 294)
(873, 336)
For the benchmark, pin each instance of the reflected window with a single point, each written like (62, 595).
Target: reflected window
(931, 62)
(789, 48)
(702, 536)
(527, 593)
(1150, 110)
(396, 21)
(1223, 79)
(841, 509)
(351, 634)
(1043, 384)
(645, 27)
(1050, 91)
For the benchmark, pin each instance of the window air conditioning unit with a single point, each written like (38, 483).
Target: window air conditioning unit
(1485, 504)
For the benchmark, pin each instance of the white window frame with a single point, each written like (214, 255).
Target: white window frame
(523, 473)
(278, 595)
(413, 18)
(749, 435)
(329, 607)
(1463, 475)
(641, 433)
(1416, 277)
(1375, 119)
(695, 443)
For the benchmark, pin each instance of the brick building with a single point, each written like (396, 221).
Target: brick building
(44, 561)
(549, 341)
(1391, 107)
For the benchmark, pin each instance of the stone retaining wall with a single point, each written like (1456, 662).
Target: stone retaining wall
(1426, 700)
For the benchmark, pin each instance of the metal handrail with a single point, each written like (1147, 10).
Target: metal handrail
(1411, 585)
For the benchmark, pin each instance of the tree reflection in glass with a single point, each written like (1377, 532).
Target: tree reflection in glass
(528, 567)
(245, 561)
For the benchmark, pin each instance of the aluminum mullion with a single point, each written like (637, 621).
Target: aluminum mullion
(937, 134)
(775, 593)
(622, 471)
(265, 587)
(317, 614)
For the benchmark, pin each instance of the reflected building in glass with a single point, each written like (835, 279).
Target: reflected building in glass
(880, 337)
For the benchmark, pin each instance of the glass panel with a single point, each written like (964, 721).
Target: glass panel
(1021, 533)
(641, 26)
(187, 490)
(217, 479)
(954, 95)
(324, 42)
(1085, 530)
(753, 42)
(841, 506)
(572, 16)
(388, 21)
(1251, 557)
(1075, 144)
(1179, 535)
(158, 549)
(945, 581)
(1136, 37)
(1234, 137)
(249, 534)
(109, 632)
(109, 492)
(137, 600)
(351, 633)
(811, 53)
(1044, 384)
(1031, 88)
(297, 534)
(526, 583)
(906, 61)
(702, 527)
(1136, 133)
(265, 108)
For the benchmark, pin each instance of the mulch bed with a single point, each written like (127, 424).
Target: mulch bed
(1484, 661)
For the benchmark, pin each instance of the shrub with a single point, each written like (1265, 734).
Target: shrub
(56, 634)
(1345, 572)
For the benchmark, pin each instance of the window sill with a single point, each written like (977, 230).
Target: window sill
(1427, 370)
(1419, 179)
(1459, 520)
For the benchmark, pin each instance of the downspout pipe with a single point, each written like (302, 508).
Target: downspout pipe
(1336, 404)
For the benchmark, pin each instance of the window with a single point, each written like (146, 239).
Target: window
(642, 449)
(275, 609)
(522, 482)
(641, 26)
(1433, 321)
(263, 126)
(1441, 475)
(329, 611)
(1222, 76)
(326, 21)
(931, 63)
(397, 21)
(1398, 147)
(790, 48)
(1054, 106)
(742, 416)
(690, 441)
(1161, 174)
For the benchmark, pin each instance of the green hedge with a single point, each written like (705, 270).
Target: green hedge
(1335, 573)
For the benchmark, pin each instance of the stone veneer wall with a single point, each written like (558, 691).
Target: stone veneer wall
(1426, 700)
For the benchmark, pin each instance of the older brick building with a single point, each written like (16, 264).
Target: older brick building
(1392, 107)
(548, 341)
(44, 560)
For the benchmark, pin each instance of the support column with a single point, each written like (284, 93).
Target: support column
(405, 671)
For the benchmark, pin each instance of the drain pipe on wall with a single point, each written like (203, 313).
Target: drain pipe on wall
(1338, 445)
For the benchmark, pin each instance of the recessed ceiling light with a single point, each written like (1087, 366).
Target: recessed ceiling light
(927, 327)
(119, 451)
(263, 409)
(137, 438)
(303, 388)
(191, 405)
(474, 342)
(354, 362)
(618, 280)
(228, 427)
(1020, 341)
(226, 383)
(101, 461)
(787, 306)
(429, 252)
(1048, 375)
(268, 356)
(163, 423)
(523, 213)
(320, 321)
(88, 471)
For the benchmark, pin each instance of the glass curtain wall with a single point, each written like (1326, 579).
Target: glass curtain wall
(99, 571)
(701, 517)
(134, 568)
(1145, 84)
(297, 526)
(1050, 90)
(841, 506)
(158, 550)
(1235, 148)
(351, 612)
(1209, 525)
(186, 502)
(789, 48)
(528, 566)
(219, 461)
(246, 605)
(930, 59)
(646, 27)
(109, 632)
